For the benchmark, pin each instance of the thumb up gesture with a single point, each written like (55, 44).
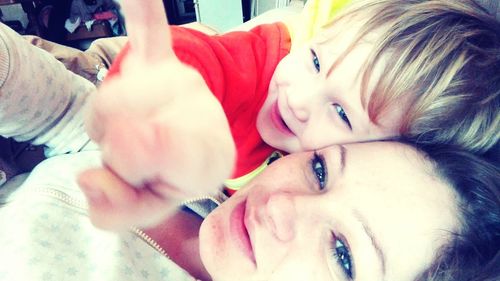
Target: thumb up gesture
(164, 137)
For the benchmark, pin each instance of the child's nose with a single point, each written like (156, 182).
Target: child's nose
(300, 106)
(281, 213)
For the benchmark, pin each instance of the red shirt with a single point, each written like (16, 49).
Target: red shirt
(237, 67)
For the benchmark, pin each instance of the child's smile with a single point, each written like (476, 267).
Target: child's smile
(278, 120)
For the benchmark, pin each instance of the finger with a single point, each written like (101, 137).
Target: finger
(147, 29)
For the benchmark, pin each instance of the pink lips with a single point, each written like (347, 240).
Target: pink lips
(278, 121)
(239, 230)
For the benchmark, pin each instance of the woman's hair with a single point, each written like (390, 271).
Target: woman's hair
(473, 253)
(442, 57)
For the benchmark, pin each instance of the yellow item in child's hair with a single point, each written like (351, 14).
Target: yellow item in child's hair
(316, 14)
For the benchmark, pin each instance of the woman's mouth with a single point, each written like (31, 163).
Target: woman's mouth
(239, 232)
(278, 121)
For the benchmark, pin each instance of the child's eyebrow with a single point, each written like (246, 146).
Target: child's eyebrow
(336, 63)
(364, 93)
(364, 98)
(343, 153)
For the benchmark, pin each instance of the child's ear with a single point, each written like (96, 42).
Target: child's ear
(147, 30)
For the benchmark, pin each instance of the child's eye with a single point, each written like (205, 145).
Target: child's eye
(319, 170)
(315, 61)
(342, 114)
(342, 256)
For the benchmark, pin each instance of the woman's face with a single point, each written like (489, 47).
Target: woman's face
(372, 211)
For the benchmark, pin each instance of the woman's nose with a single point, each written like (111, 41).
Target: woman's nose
(281, 213)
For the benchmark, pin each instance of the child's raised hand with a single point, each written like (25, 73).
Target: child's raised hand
(163, 135)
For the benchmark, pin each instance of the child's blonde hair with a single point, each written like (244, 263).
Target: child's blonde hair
(443, 56)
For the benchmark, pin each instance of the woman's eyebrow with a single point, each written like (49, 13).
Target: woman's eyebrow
(375, 243)
(343, 154)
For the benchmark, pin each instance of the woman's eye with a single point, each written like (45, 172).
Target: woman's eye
(315, 61)
(319, 170)
(342, 114)
(343, 257)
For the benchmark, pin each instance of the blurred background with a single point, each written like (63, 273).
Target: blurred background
(77, 22)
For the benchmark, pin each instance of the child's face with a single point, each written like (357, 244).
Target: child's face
(311, 104)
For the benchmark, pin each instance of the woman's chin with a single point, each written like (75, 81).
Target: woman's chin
(221, 259)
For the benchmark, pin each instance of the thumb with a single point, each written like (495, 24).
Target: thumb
(115, 205)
